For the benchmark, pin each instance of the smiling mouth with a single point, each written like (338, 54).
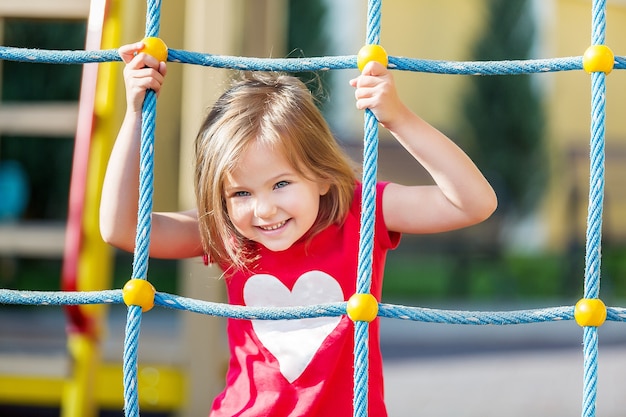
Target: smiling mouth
(273, 227)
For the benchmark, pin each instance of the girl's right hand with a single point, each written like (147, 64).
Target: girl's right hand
(142, 72)
(375, 89)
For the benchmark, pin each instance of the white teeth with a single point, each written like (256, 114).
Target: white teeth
(274, 227)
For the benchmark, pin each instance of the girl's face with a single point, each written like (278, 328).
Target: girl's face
(268, 201)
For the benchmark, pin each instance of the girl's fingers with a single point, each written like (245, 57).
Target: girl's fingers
(142, 72)
(142, 60)
(128, 52)
(370, 75)
(144, 75)
(146, 78)
(162, 68)
(374, 68)
(132, 57)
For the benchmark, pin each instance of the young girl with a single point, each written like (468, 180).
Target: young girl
(278, 207)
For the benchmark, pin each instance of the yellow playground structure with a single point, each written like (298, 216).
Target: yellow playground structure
(84, 384)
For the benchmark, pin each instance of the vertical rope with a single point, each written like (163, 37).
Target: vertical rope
(596, 186)
(594, 216)
(590, 371)
(129, 361)
(361, 366)
(372, 34)
(153, 17)
(144, 227)
(366, 239)
(146, 179)
(368, 209)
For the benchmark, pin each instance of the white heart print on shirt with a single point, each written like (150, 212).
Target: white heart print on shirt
(293, 342)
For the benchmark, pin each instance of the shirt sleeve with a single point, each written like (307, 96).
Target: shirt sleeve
(386, 238)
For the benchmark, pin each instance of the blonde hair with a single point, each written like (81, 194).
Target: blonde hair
(279, 110)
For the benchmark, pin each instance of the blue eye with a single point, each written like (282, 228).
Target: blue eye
(281, 184)
(241, 194)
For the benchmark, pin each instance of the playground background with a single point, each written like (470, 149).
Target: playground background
(537, 259)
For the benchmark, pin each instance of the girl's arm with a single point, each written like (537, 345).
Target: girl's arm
(173, 235)
(461, 195)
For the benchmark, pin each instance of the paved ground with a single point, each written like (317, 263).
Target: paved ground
(519, 384)
(514, 371)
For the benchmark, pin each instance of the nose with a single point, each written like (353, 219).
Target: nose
(264, 207)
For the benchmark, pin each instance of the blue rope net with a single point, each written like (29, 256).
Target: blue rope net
(140, 262)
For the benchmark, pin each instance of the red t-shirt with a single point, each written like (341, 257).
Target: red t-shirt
(304, 367)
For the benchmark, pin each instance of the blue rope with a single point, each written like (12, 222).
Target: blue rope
(594, 213)
(129, 361)
(153, 18)
(418, 314)
(144, 226)
(410, 313)
(372, 30)
(361, 368)
(598, 22)
(368, 209)
(507, 67)
(366, 233)
(596, 186)
(590, 371)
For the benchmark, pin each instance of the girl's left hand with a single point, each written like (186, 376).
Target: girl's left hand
(375, 89)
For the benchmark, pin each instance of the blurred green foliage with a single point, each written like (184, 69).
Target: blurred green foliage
(306, 37)
(513, 277)
(504, 115)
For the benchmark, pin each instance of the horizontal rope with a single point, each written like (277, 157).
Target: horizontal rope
(44, 56)
(420, 314)
(428, 315)
(298, 64)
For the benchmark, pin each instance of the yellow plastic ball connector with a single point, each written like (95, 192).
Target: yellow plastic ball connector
(139, 292)
(590, 312)
(598, 58)
(155, 47)
(362, 307)
(369, 53)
